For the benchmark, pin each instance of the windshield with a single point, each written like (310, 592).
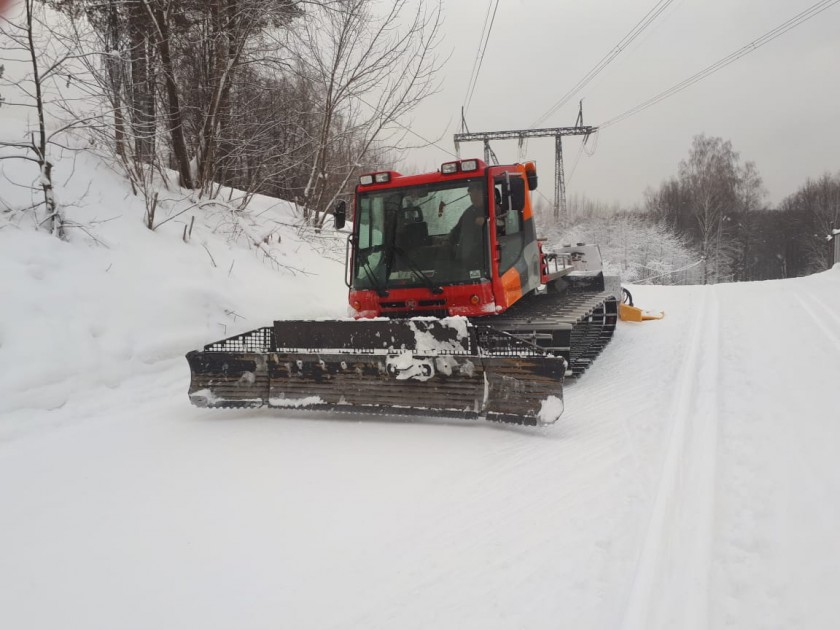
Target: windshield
(423, 235)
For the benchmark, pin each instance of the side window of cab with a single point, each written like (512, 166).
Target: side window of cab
(510, 201)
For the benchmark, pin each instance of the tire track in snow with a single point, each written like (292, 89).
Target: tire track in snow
(778, 511)
(810, 304)
(670, 587)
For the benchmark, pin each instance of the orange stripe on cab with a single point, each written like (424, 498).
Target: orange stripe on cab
(512, 285)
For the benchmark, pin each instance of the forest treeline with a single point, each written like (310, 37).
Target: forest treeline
(709, 223)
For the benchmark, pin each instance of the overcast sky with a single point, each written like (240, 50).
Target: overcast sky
(779, 105)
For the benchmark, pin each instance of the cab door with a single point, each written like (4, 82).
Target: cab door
(516, 268)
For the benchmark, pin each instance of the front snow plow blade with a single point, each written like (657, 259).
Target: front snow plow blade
(448, 367)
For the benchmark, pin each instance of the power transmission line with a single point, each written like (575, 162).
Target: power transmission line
(769, 36)
(616, 50)
(477, 53)
(575, 163)
(481, 59)
(426, 140)
(581, 151)
(393, 120)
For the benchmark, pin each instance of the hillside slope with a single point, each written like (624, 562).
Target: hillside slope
(691, 483)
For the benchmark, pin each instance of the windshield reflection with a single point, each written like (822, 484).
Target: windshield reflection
(422, 236)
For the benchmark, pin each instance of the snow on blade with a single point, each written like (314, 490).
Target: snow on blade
(427, 343)
(550, 410)
(308, 401)
(406, 366)
(206, 396)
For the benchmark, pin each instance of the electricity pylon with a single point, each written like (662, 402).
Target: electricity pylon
(520, 134)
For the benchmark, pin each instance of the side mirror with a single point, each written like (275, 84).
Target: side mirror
(531, 175)
(340, 214)
(532, 179)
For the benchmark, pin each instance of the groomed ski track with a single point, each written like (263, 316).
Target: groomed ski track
(691, 483)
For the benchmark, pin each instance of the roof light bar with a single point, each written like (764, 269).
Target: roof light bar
(448, 168)
(366, 180)
(469, 165)
(382, 178)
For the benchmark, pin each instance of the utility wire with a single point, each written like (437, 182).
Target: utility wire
(477, 53)
(574, 164)
(616, 50)
(769, 36)
(481, 59)
(393, 120)
(426, 140)
(666, 273)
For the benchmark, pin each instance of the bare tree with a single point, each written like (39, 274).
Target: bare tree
(24, 32)
(114, 56)
(189, 55)
(817, 207)
(233, 28)
(160, 14)
(708, 176)
(369, 70)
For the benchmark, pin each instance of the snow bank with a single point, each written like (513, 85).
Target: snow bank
(119, 299)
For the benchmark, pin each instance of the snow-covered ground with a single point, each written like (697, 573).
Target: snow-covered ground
(691, 483)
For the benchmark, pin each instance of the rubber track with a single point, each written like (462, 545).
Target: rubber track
(576, 326)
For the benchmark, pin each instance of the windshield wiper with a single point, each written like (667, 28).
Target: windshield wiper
(415, 269)
(380, 290)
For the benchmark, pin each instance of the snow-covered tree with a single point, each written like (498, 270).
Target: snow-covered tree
(707, 202)
(633, 245)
